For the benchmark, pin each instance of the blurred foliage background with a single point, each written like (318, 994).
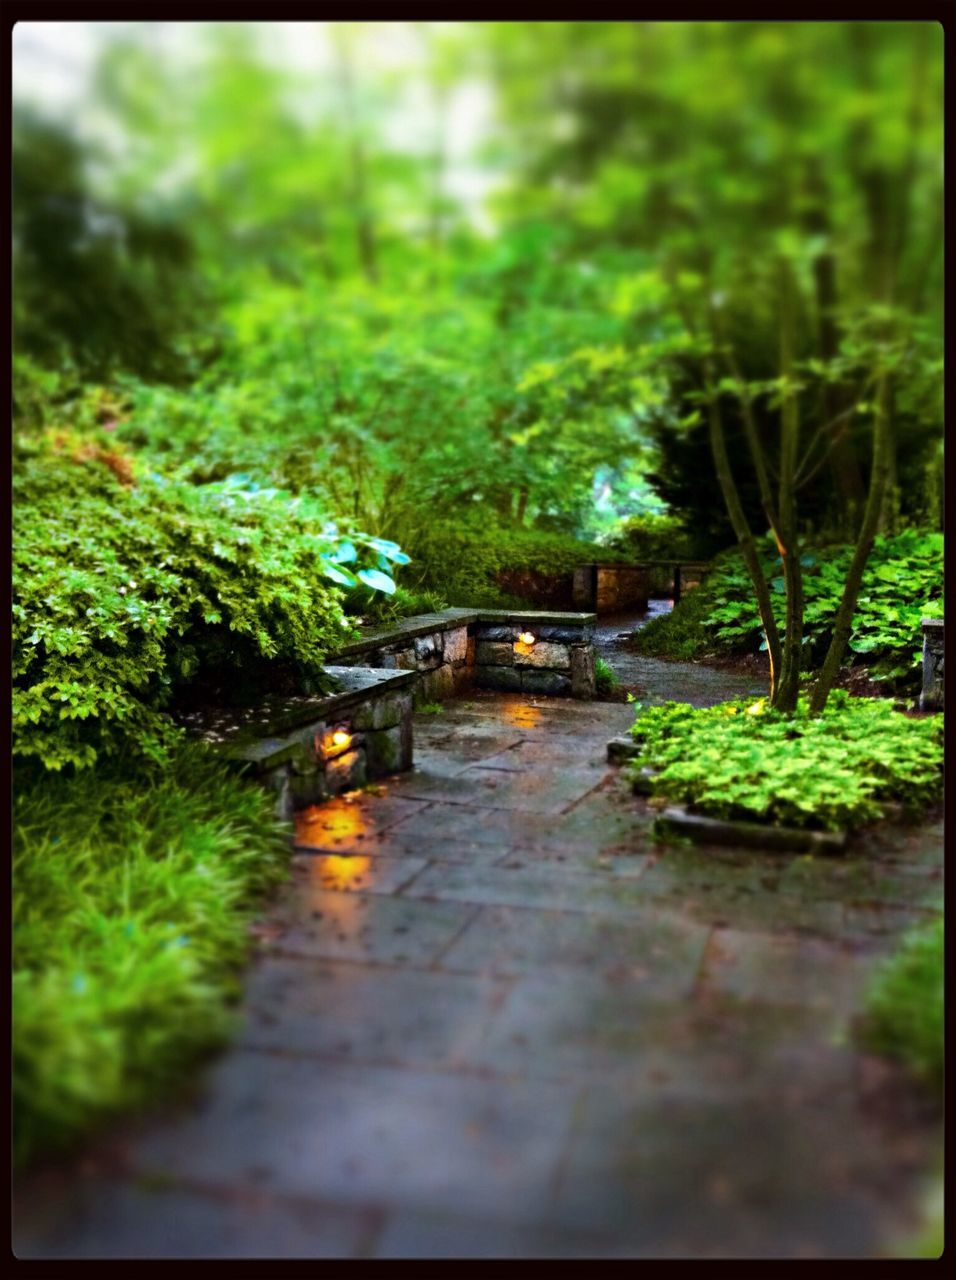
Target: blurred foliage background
(430, 268)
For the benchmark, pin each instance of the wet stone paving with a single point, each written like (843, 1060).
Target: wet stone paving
(491, 1016)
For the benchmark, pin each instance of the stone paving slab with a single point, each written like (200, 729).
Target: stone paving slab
(531, 790)
(112, 1218)
(799, 970)
(429, 1235)
(370, 1136)
(541, 886)
(674, 1176)
(510, 941)
(331, 925)
(399, 1017)
(344, 822)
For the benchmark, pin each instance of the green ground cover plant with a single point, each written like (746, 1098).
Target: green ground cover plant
(904, 1006)
(902, 583)
(133, 890)
(743, 760)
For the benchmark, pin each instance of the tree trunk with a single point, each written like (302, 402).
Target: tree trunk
(788, 688)
(843, 624)
(745, 538)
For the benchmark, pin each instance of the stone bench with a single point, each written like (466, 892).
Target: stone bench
(528, 650)
(308, 748)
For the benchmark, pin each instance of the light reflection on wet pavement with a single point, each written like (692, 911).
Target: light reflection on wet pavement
(492, 1017)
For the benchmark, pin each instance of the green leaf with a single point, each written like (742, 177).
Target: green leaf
(377, 580)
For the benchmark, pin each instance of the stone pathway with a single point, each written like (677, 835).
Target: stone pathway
(491, 1017)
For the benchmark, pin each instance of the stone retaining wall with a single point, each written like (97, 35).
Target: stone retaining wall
(535, 652)
(611, 588)
(436, 645)
(457, 648)
(309, 748)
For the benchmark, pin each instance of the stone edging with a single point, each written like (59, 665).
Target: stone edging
(750, 835)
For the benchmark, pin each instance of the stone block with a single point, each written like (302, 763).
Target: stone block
(582, 671)
(456, 646)
(436, 685)
(463, 677)
(490, 631)
(931, 697)
(535, 680)
(308, 788)
(428, 651)
(555, 657)
(383, 713)
(389, 750)
(621, 749)
(507, 678)
(564, 635)
(489, 654)
(346, 772)
(279, 781)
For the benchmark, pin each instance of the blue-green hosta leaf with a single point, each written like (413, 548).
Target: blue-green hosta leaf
(345, 553)
(339, 575)
(390, 550)
(377, 580)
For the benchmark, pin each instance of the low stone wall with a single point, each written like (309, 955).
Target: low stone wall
(931, 698)
(309, 748)
(535, 652)
(436, 645)
(457, 648)
(611, 588)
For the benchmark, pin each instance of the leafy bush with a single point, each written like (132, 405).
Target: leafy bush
(904, 1006)
(131, 904)
(903, 583)
(129, 586)
(740, 760)
(464, 561)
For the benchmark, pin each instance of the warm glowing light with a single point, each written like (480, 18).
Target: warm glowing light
(337, 823)
(526, 637)
(339, 871)
(521, 716)
(335, 740)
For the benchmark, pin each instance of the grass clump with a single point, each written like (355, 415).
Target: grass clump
(904, 1006)
(743, 760)
(132, 899)
(605, 677)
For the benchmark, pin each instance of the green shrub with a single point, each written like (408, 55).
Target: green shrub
(903, 583)
(904, 1006)
(130, 586)
(744, 760)
(132, 897)
(462, 561)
